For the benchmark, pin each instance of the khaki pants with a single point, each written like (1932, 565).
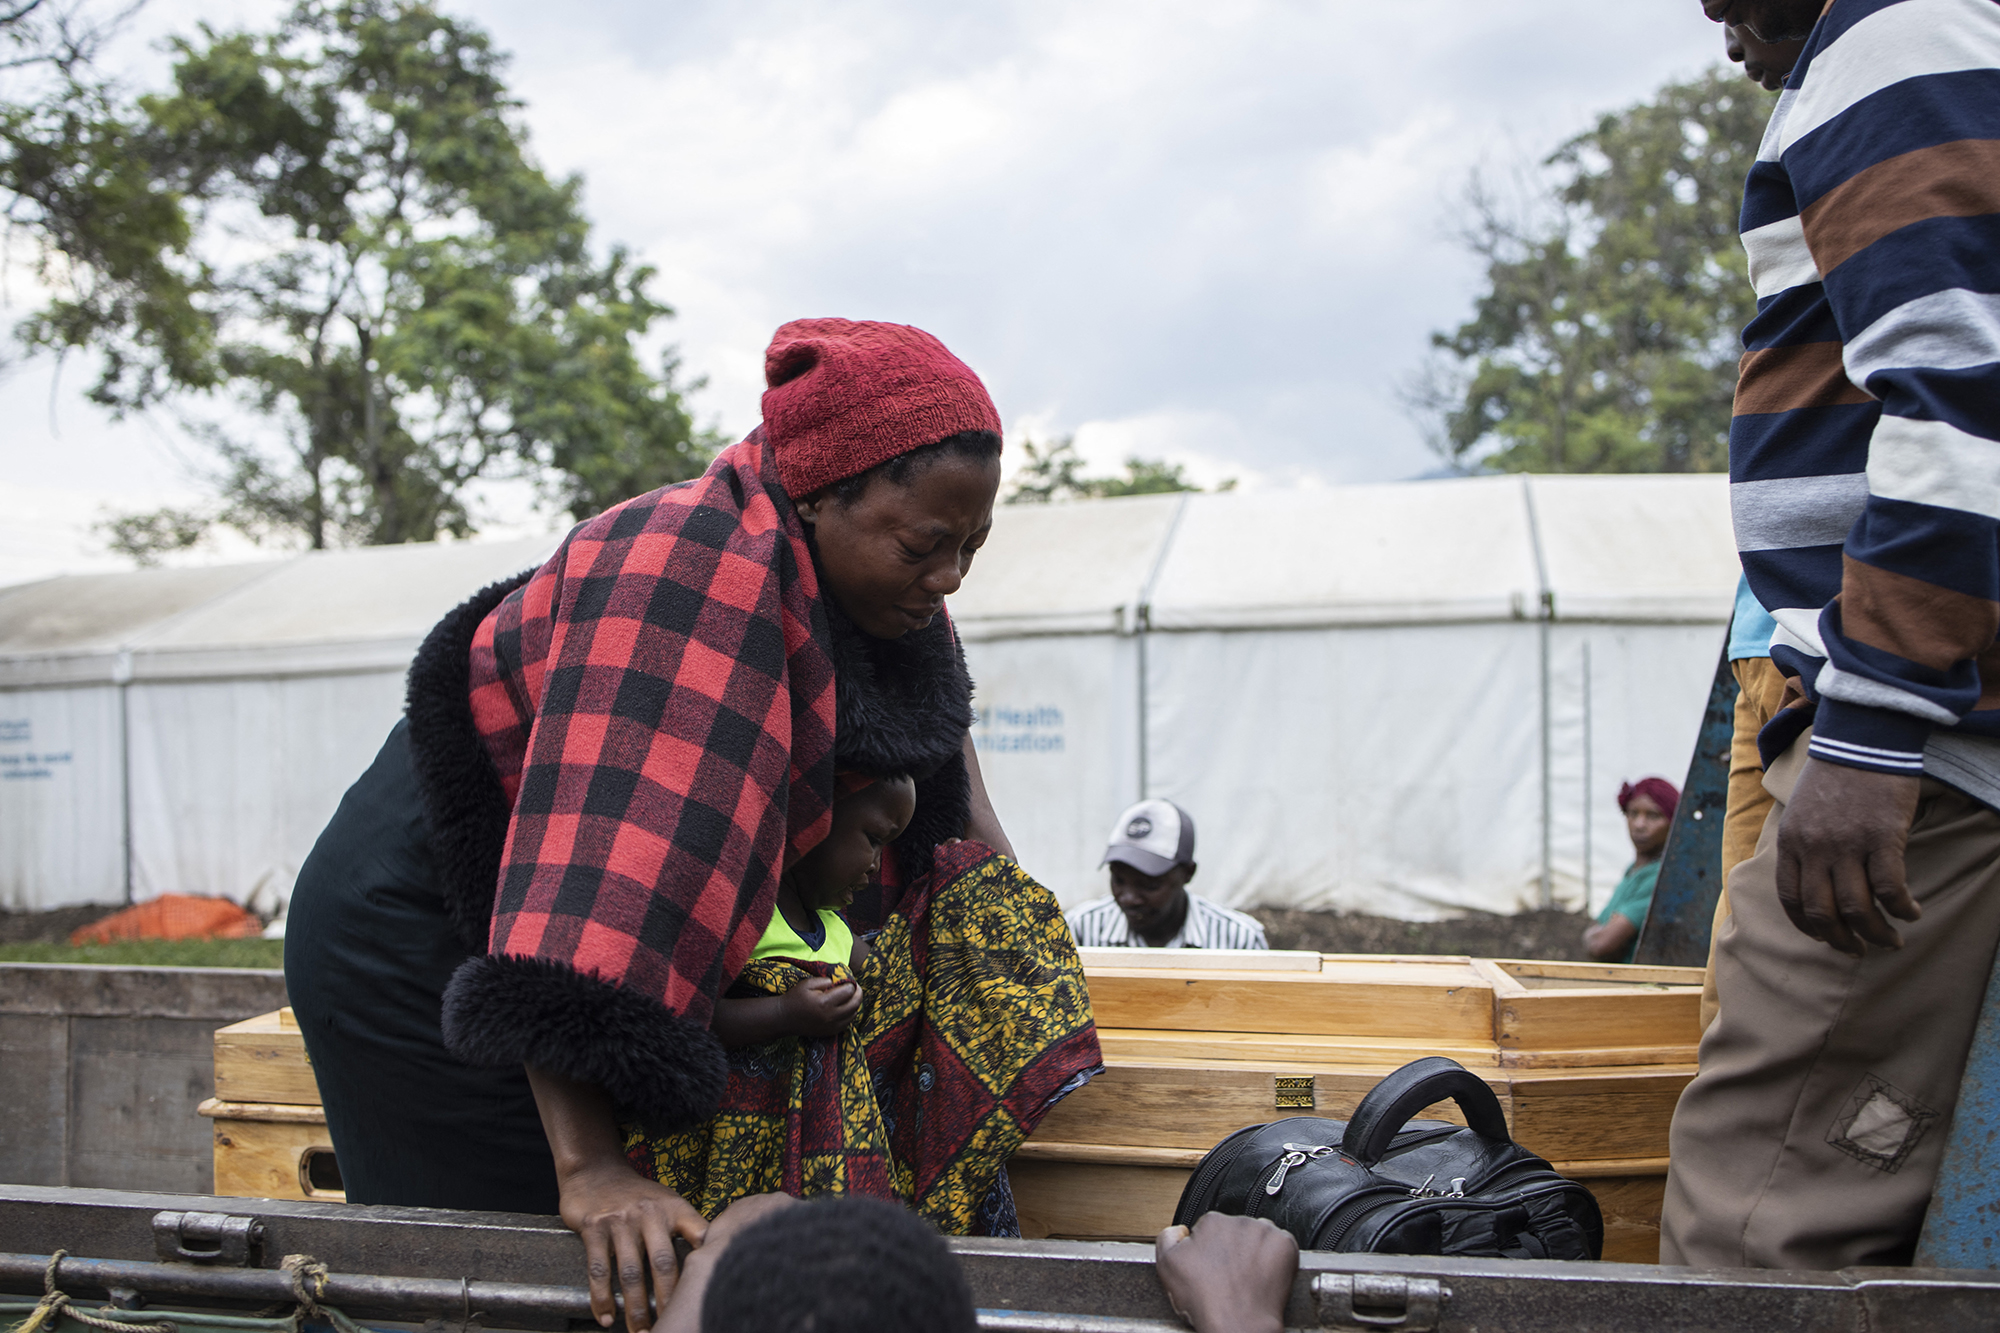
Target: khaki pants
(1812, 1135)
(1760, 688)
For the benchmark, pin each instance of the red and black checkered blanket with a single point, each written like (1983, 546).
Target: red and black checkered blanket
(658, 700)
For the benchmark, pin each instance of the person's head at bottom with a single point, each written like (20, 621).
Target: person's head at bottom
(838, 1265)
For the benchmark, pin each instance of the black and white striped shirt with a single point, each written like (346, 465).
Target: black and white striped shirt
(1099, 925)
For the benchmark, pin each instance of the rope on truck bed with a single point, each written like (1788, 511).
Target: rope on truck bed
(308, 1276)
(55, 1303)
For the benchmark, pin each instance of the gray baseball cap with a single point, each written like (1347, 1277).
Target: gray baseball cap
(1152, 837)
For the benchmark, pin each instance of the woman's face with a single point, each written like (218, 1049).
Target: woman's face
(890, 558)
(1647, 824)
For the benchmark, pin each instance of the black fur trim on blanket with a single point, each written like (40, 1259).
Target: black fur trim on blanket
(667, 1072)
(465, 807)
(904, 706)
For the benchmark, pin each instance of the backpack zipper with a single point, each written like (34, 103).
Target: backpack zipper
(1201, 1189)
(1441, 1203)
(1296, 1154)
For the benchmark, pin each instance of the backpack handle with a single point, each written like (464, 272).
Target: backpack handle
(1390, 1104)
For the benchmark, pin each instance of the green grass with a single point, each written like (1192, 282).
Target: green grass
(153, 953)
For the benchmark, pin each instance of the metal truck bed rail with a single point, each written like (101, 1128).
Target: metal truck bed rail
(521, 1272)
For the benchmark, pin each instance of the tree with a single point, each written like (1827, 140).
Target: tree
(1055, 472)
(1607, 340)
(336, 230)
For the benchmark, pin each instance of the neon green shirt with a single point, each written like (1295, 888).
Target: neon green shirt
(781, 941)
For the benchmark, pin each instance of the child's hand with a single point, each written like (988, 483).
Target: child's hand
(821, 1006)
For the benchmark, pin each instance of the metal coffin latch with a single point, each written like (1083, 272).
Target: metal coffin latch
(1354, 1301)
(208, 1238)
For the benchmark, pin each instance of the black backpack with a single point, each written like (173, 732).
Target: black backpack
(1382, 1183)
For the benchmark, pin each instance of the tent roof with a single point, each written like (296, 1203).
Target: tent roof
(1628, 548)
(1634, 548)
(357, 610)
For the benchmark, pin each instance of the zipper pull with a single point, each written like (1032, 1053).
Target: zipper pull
(1423, 1191)
(1277, 1180)
(1457, 1188)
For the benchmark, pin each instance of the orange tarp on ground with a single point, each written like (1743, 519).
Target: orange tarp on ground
(172, 916)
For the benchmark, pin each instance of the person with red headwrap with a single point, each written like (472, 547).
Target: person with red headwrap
(1649, 812)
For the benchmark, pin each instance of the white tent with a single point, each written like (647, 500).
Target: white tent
(1404, 698)
(191, 730)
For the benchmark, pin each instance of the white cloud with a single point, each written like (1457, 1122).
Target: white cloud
(1211, 231)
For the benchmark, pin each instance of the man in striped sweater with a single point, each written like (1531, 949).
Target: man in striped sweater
(1865, 462)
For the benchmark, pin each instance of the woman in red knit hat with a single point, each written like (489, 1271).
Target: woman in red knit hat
(513, 934)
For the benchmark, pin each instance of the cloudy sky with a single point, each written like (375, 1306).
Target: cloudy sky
(1215, 233)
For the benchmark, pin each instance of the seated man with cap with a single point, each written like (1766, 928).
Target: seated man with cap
(1152, 859)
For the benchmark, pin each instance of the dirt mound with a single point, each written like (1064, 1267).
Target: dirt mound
(51, 927)
(1556, 935)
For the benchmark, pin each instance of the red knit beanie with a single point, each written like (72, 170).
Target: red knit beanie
(848, 394)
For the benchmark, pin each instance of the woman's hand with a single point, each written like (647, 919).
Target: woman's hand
(821, 1006)
(627, 1223)
(1230, 1273)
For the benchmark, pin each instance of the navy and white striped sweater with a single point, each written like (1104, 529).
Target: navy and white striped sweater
(1864, 454)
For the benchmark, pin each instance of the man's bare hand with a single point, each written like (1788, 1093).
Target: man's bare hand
(821, 1006)
(1230, 1274)
(1840, 855)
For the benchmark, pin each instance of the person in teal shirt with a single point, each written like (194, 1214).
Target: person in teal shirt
(1649, 812)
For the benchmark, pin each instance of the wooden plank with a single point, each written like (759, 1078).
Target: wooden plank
(1595, 1057)
(1140, 1045)
(1078, 1201)
(1432, 1000)
(1196, 1104)
(1599, 1017)
(1631, 1207)
(261, 1159)
(1534, 973)
(217, 1109)
(1108, 1153)
(1612, 1166)
(1592, 1115)
(264, 1059)
(1206, 960)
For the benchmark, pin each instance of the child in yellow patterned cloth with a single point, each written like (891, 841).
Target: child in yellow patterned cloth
(807, 925)
(974, 1022)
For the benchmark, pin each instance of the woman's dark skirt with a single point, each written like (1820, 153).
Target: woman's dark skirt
(368, 952)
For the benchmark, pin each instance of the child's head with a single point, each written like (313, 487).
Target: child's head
(849, 1265)
(868, 815)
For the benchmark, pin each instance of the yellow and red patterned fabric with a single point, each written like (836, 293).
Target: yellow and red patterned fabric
(975, 1020)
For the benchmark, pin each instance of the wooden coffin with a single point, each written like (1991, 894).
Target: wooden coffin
(1587, 1059)
(270, 1133)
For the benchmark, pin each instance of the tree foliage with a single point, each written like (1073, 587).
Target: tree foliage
(334, 232)
(1054, 471)
(1607, 338)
